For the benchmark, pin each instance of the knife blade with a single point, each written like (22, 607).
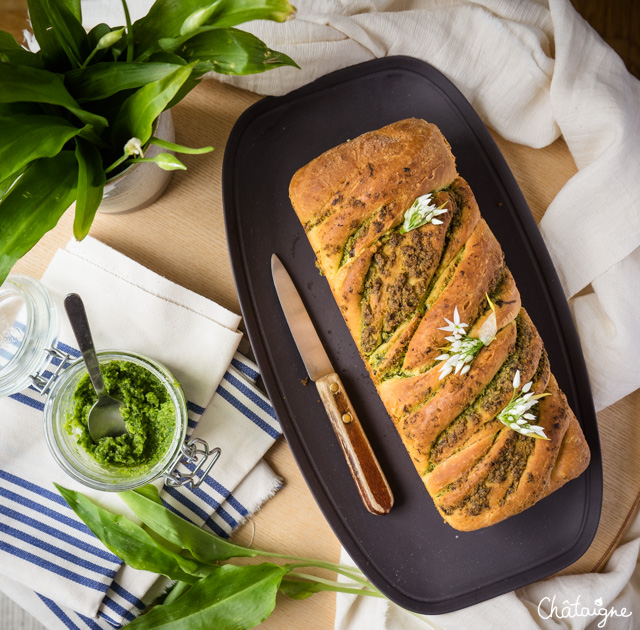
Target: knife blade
(365, 469)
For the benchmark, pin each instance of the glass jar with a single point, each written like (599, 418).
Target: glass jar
(28, 329)
(29, 356)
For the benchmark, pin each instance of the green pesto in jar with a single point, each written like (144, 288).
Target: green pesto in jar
(148, 412)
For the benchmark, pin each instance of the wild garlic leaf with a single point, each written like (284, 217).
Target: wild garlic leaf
(26, 138)
(164, 19)
(234, 12)
(103, 79)
(189, 84)
(132, 543)
(299, 589)
(198, 18)
(33, 85)
(68, 28)
(7, 184)
(166, 57)
(12, 52)
(75, 7)
(91, 180)
(150, 492)
(231, 598)
(167, 18)
(34, 205)
(140, 110)
(202, 545)
(232, 51)
(53, 54)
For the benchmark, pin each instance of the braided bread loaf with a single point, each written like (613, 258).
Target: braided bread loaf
(398, 289)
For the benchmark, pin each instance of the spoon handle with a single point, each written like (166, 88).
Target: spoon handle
(80, 324)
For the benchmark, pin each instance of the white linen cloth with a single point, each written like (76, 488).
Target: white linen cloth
(49, 562)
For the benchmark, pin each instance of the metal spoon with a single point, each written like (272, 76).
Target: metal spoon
(105, 418)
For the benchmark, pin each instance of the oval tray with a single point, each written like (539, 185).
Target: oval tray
(411, 555)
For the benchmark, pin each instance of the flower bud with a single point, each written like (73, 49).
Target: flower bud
(169, 162)
(110, 39)
(197, 19)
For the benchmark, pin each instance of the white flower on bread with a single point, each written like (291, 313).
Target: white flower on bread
(421, 212)
(463, 348)
(516, 414)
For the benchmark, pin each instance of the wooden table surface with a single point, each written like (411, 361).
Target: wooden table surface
(182, 237)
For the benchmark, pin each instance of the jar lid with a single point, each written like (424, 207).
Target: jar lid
(28, 328)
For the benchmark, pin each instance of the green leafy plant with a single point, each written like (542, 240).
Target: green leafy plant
(83, 108)
(209, 590)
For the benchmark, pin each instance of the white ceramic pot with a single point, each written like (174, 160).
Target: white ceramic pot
(140, 184)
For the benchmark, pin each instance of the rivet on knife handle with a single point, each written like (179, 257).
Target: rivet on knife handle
(365, 469)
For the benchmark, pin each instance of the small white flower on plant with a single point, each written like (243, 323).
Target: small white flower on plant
(421, 212)
(462, 348)
(516, 414)
(133, 147)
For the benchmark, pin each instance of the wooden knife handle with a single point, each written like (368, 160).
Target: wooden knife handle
(366, 471)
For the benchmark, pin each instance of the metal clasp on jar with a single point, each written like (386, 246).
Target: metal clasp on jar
(42, 383)
(195, 451)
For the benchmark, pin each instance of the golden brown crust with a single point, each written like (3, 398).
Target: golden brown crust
(573, 457)
(395, 290)
(371, 177)
(515, 472)
(420, 428)
(476, 420)
(506, 301)
(472, 278)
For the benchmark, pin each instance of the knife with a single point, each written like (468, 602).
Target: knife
(365, 469)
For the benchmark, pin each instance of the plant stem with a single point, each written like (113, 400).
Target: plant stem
(89, 58)
(165, 144)
(335, 568)
(179, 589)
(127, 17)
(117, 163)
(310, 562)
(338, 586)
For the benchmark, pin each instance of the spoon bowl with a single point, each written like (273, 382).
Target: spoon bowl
(105, 416)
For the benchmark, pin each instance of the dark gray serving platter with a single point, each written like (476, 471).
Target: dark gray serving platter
(411, 555)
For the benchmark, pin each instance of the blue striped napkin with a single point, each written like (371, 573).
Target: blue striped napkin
(50, 563)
